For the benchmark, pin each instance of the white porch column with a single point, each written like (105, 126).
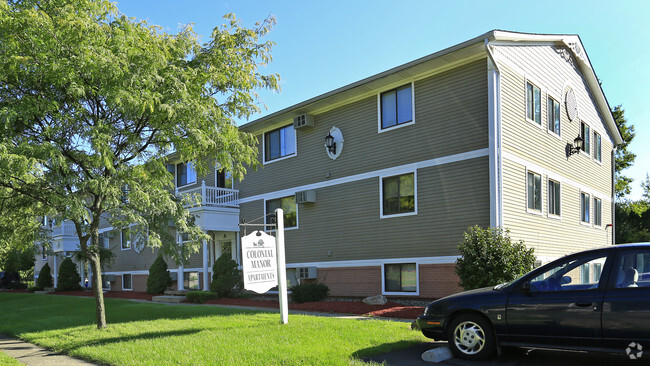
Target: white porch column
(56, 272)
(180, 279)
(82, 273)
(237, 248)
(206, 257)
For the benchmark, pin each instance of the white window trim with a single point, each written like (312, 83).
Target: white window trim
(591, 219)
(548, 199)
(552, 133)
(400, 293)
(542, 94)
(381, 195)
(216, 172)
(188, 164)
(379, 128)
(593, 201)
(285, 228)
(593, 142)
(122, 240)
(539, 212)
(127, 289)
(588, 153)
(295, 139)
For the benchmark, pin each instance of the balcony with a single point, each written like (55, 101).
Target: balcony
(211, 196)
(66, 229)
(64, 237)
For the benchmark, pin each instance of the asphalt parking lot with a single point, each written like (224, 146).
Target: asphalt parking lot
(510, 357)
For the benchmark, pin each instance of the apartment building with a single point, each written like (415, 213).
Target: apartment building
(379, 179)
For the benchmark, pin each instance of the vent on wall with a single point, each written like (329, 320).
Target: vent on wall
(307, 273)
(306, 196)
(303, 121)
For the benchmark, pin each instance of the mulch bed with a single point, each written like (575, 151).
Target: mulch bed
(389, 310)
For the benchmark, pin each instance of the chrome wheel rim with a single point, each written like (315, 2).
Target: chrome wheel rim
(469, 338)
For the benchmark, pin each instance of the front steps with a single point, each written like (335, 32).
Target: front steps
(171, 296)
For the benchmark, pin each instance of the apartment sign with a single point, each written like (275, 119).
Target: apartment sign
(259, 262)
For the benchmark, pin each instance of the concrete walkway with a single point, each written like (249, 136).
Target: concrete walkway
(30, 354)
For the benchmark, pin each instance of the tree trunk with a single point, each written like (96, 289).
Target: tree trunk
(98, 290)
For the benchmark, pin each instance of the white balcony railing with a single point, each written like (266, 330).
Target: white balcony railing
(65, 229)
(211, 196)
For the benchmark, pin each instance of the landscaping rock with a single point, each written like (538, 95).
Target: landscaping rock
(375, 300)
(437, 355)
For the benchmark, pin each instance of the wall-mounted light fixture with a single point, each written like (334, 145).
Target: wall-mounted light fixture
(330, 144)
(334, 143)
(578, 145)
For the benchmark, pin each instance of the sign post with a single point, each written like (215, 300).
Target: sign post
(282, 273)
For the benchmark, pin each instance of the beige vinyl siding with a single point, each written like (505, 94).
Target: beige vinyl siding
(346, 219)
(527, 146)
(130, 260)
(450, 118)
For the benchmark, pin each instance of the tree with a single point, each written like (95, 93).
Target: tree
(633, 217)
(45, 277)
(69, 279)
(226, 277)
(92, 102)
(623, 158)
(488, 257)
(159, 279)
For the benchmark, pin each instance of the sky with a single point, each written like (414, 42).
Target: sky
(324, 45)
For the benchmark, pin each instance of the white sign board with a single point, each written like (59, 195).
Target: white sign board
(259, 262)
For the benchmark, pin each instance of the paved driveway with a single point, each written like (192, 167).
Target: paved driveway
(510, 357)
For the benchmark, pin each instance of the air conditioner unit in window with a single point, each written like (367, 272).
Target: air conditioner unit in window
(302, 121)
(306, 196)
(307, 273)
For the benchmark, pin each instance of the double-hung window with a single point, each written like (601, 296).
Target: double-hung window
(598, 212)
(279, 143)
(598, 154)
(127, 282)
(398, 194)
(554, 116)
(553, 197)
(534, 192)
(400, 277)
(396, 106)
(185, 174)
(533, 103)
(585, 133)
(288, 206)
(584, 207)
(126, 239)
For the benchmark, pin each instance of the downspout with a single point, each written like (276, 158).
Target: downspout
(494, 139)
(614, 195)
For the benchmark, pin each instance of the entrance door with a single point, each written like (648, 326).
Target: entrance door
(223, 247)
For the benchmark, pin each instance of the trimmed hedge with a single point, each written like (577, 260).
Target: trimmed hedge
(309, 292)
(227, 280)
(199, 297)
(69, 279)
(159, 279)
(44, 278)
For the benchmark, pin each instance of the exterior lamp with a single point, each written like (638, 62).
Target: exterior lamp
(330, 144)
(578, 144)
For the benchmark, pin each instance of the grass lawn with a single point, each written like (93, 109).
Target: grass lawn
(5, 360)
(156, 334)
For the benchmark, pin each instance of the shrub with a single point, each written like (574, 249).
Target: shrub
(309, 292)
(226, 278)
(159, 279)
(69, 279)
(489, 257)
(199, 297)
(44, 278)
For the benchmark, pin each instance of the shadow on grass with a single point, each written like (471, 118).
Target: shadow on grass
(397, 353)
(129, 338)
(386, 348)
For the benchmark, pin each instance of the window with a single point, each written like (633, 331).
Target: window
(185, 174)
(44, 252)
(584, 207)
(632, 269)
(401, 277)
(126, 282)
(553, 116)
(398, 194)
(582, 273)
(191, 280)
(279, 143)
(224, 179)
(534, 193)
(533, 103)
(288, 205)
(396, 106)
(598, 155)
(553, 197)
(586, 136)
(126, 239)
(598, 212)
